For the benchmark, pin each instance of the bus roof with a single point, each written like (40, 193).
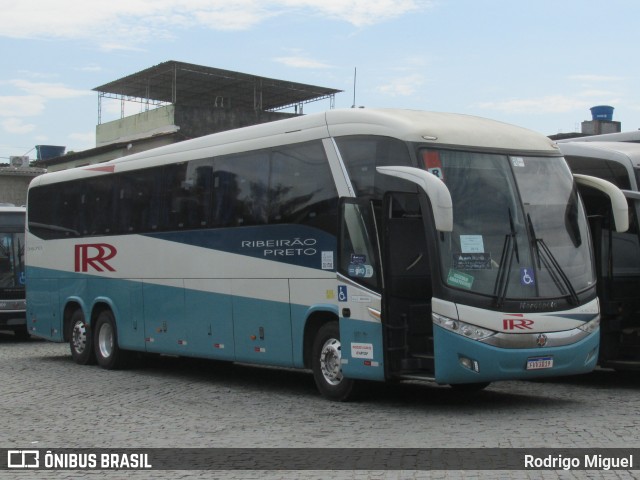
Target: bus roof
(622, 152)
(630, 137)
(435, 128)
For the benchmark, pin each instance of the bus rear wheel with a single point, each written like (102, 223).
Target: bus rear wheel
(108, 353)
(80, 342)
(327, 364)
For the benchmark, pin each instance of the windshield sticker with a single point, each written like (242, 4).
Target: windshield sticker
(471, 261)
(471, 244)
(360, 270)
(358, 259)
(459, 279)
(517, 161)
(432, 163)
(327, 260)
(527, 277)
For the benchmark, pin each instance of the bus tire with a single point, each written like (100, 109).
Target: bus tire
(326, 364)
(80, 341)
(105, 338)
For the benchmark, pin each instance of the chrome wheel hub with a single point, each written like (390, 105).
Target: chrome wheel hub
(79, 337)
(105, 340)
(330, 361)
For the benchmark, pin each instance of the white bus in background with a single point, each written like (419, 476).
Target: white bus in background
(617, 253)
(382, 245)
(12, 270)
(632, 136)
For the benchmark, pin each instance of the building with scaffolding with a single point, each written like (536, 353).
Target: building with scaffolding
(179, 101)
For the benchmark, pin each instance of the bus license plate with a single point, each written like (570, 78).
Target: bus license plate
(538, 363)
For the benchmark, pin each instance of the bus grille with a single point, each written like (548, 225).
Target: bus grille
(12, 293)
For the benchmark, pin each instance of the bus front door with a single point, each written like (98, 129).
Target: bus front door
(406, 303)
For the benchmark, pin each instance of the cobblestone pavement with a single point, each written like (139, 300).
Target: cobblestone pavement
(50, 402)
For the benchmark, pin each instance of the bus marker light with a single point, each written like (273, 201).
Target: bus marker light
(252, 337)
(218, 345)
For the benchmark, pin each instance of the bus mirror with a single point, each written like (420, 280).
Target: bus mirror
(619, 205)
(436, 190)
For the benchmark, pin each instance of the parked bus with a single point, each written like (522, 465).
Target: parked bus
(632, 136)
(12, 270)
(617, 253)
(361, 244)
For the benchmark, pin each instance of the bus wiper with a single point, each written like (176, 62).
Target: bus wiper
(545, 257)
(509, 248)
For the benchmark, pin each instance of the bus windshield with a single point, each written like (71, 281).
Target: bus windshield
(514, 236)
(11, 260)
(11, 250)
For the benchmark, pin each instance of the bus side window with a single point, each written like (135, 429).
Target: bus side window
(363, 153)
(244, 188)
(225, 192)
(301, 188)
(358, 248)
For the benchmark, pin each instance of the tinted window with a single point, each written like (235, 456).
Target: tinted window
(362, 154)
(605, 169)
(290, 184)
(245, 187)
(301, 187)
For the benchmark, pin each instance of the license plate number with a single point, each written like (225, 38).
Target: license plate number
(538, 363)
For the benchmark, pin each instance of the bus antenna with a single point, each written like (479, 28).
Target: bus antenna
(355, 73)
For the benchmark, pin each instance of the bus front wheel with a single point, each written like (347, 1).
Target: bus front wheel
(327, 364)
(108, 353)
(80, 340)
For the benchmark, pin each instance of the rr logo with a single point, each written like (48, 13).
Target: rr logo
(94, 255)
(517, 323)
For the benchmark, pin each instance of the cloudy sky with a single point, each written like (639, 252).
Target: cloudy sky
(540, 64)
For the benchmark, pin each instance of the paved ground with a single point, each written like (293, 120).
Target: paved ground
(50, 402)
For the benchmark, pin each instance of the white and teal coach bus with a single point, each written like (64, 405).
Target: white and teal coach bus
(361, 244)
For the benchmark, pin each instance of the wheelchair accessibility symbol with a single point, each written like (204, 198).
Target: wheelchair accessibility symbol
(526, 277)
(342, 293)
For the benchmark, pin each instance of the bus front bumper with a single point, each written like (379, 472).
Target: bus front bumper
(462, 360)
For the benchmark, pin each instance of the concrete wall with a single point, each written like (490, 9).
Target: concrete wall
(81, 160)
(197, 122)
(599, 127)
(191, 122)
(14, 184)
(145, 124)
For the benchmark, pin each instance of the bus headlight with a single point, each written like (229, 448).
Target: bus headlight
(591, 326)
(461, 328)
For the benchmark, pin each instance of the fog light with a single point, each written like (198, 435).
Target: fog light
(469, 364)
